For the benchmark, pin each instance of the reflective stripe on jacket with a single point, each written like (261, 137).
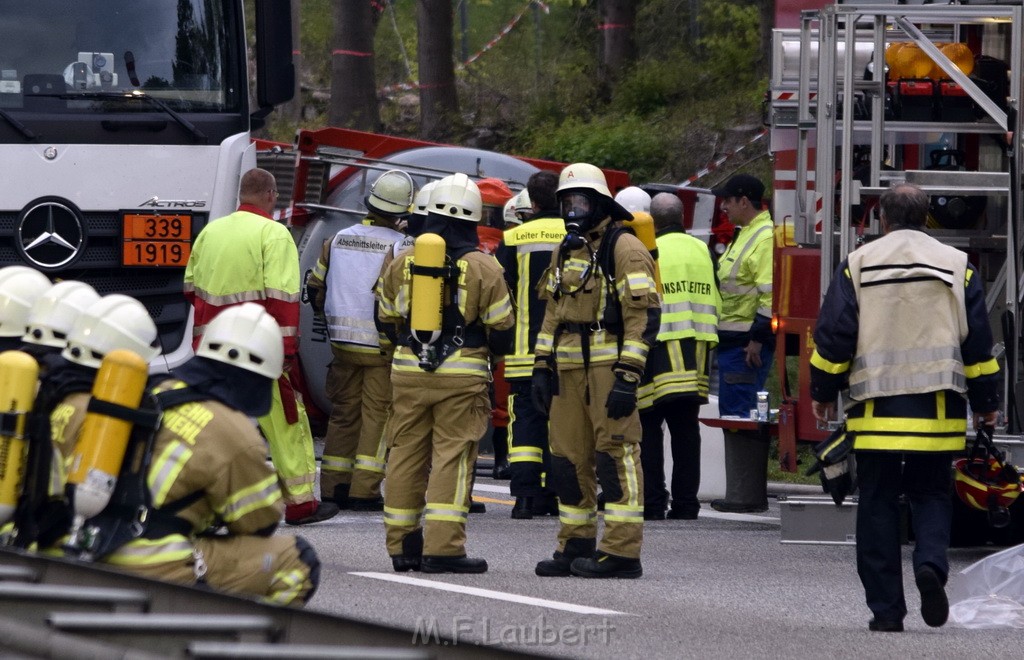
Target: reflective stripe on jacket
(690, 299)
(745, 275)
(911, 292)
(482, 296)
(909, 288)
(532, 242)
(356, 254)
(245, 257)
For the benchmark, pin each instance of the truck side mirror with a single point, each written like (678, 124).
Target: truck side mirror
(275, 73)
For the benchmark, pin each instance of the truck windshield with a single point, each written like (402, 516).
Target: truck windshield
(58, 56)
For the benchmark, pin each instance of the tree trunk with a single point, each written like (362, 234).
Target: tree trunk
(353, 83)
(439, 102)
(293, 110)
(617, 20)
(766, 8)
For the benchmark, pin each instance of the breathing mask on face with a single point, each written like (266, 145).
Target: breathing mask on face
(582, 211)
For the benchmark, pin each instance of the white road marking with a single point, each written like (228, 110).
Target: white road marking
(739, 517)
(488, 488)
(488, 593)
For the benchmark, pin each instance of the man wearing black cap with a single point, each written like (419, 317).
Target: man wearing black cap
(745, 339)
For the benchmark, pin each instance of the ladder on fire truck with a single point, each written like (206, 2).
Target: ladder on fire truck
(830, 131)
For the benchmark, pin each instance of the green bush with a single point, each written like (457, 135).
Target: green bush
(625, 142)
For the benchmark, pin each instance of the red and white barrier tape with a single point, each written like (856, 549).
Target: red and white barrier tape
(388, 89)
(715, 164)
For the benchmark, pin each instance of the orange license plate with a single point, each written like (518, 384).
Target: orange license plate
(152, 239)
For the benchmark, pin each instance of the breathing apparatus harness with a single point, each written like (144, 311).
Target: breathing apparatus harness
(130, 514)
(602, 260)
(455, 332)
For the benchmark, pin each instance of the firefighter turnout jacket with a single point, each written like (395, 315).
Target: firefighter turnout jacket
(745, 279)
(483, 303)
(209, 466)
(678, 363)
(904, 326)
(590, 320)
(526, 255)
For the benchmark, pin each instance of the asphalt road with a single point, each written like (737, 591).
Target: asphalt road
(721, 586)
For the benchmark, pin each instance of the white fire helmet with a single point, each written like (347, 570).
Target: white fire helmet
(245, 336)
(55, 312)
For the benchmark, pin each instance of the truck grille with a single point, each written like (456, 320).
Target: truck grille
(159, 289)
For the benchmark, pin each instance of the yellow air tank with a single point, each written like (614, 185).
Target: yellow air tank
(97, 457)
(642, 225)
(427, 290)
(18, 375)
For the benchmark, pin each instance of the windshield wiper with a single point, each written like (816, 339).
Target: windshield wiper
(134, 94)
(27, 132)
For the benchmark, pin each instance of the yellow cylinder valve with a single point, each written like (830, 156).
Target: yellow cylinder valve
(97, 457)
(427, 290)
(642, 225)
(18, 375)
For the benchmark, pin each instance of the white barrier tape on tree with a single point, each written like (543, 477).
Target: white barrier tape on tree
(715, 164)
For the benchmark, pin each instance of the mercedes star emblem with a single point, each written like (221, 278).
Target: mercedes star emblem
(50, 234)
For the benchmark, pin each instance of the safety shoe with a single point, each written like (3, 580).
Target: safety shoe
(502, 471)
(477, 507)
(735, 507)
(934, 605)
(340, 495)
(309, 512)
(604, 565)
(882, 625)
(676, 513)
(402, 563)
(654, 514)
(560, 563)
(366, 503)
(545, 505)
(523, 509)
(435, 564)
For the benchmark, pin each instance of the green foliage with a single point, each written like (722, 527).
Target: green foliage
(538, 92)
(730, 41)
(618, 141)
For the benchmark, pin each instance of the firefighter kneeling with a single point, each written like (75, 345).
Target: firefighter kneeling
(212, 502)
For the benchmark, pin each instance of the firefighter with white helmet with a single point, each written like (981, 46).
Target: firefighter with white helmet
(449, 311)
(208, 470)
(248, 256)
(358, 383)
(634, 199)
(48, 325)
(601, 319)
(113, 322)
(20, 287)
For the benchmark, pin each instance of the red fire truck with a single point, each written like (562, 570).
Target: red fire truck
(865, 95)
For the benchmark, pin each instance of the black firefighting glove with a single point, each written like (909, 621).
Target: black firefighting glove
(622, 399)
(543, 386)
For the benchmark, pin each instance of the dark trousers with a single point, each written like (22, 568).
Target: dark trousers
(529, 456)
(684, 429)
(926, 479)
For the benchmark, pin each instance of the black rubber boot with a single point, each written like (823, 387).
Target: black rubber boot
(341, 495)
(435, 564)
(604, 565)
(545, 505)
(412, 553)
(366, 503)
(560, 563)
(523, 509)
